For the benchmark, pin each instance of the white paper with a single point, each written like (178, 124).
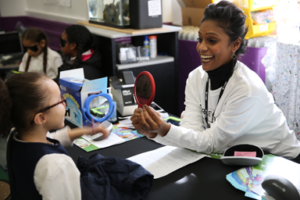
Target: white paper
(154, 7)
(74, 73)
(113, 139)
(125, 123)
(165, 160)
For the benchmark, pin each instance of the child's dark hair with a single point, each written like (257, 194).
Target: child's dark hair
(231, 19)
(36, 35)
(21, 97)
(83, 39)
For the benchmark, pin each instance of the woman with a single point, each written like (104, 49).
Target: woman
(77, 43)
(226, 103)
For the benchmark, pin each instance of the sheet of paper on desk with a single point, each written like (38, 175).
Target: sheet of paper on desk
(113, 139)
(125, 123)
(117, 136)
(165, 160)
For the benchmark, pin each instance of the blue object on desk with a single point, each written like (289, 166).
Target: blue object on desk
(86, 108)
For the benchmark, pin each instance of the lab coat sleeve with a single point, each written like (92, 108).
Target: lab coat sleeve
(62, 136)
(57, 177)
(239, 116)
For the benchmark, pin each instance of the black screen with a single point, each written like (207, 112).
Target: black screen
(10, 43)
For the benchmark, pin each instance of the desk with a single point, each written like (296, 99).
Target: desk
(204, 179)
(9, 67)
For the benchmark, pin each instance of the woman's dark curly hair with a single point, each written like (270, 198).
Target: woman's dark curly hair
(231, 19)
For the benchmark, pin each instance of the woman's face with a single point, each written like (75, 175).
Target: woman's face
(214, 46)
(34, 48)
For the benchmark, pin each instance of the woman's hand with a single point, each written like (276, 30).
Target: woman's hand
(151, 121)
(78, 132)
(136, 122)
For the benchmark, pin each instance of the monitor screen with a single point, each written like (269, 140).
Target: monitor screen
(10, 43)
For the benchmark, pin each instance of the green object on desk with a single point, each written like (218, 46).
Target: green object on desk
(173, 120)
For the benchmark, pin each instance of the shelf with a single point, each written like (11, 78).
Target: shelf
(116, 34)
(154, 61)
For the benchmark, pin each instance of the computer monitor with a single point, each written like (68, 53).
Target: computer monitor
(10, 43)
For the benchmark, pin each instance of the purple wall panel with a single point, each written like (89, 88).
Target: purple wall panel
(188, 59)
(53, 29)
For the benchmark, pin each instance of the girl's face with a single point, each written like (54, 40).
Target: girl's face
(34, 48)
(214, 46)
(56, 115)
(66, 47)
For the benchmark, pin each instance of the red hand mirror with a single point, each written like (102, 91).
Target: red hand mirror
(144, 89)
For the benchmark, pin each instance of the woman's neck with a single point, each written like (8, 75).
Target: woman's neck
(34, 135)
(219, 76)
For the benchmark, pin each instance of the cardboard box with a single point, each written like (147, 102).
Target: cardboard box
(75, 88)
(193, 11)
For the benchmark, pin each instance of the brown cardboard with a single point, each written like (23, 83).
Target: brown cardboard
(192, 16)
(196, 3)
(193, 11)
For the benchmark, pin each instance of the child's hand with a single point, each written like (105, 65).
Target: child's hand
(78, 132)
(99, 128)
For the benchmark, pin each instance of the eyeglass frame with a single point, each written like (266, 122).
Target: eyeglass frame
(64, 100)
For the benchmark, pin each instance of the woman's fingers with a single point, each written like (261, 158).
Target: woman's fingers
(154, 115)
(152, 123)
(143, 121)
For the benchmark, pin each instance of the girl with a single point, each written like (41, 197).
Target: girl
(39, 167)
(77, 42)
(226, 103)
(39, 57)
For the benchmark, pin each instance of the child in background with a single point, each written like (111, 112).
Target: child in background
(78, 43)
(39, 57)
(39, 167)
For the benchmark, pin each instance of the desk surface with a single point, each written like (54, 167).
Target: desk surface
(204, 179)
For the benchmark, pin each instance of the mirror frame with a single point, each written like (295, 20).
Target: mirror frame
(149, 75)
(86, 111)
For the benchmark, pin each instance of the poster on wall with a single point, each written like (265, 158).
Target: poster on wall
(63, 3)
(50, 2)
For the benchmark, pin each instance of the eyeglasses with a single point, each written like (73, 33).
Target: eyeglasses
(33, 48)
(64, 100)
(63, 42)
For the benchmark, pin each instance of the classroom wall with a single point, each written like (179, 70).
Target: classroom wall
(77, 11)
(10, 8)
